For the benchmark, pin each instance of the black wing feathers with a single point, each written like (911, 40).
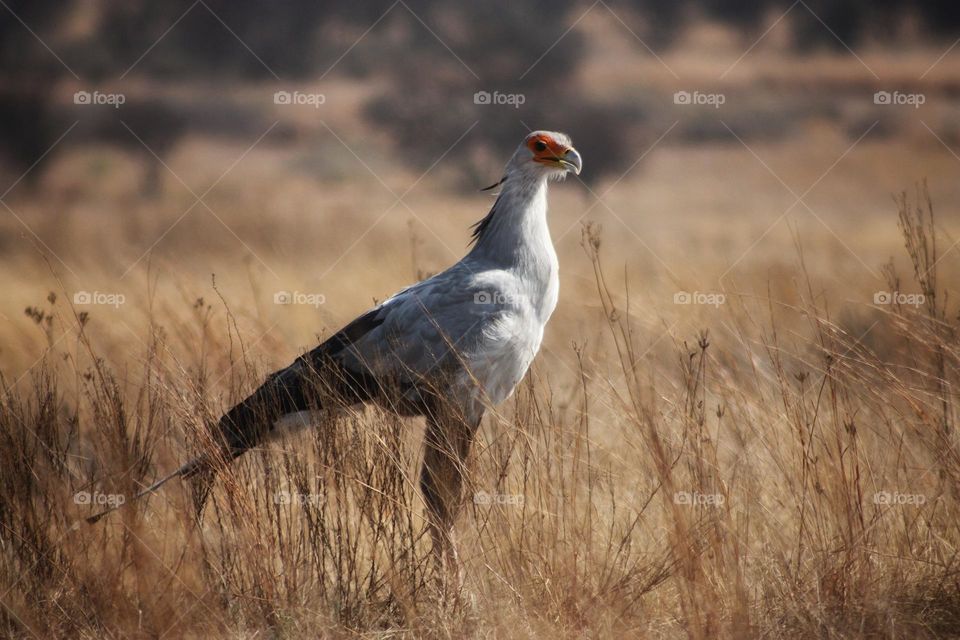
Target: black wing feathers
(296, 387)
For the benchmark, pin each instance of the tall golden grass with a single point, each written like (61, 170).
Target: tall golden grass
(792, 475)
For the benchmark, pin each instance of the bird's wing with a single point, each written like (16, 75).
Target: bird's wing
(433, 329)
(424, 343)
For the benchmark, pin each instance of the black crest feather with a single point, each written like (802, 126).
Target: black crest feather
(479, 228)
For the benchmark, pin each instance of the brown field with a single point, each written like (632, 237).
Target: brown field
(780, 462)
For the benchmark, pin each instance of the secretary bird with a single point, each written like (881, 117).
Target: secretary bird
(444, 348)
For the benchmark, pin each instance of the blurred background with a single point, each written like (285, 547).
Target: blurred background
(157, 156)
(193, 192)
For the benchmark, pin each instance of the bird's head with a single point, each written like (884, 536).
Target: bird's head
(546, 154)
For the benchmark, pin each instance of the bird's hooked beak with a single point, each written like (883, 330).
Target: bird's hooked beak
(571, 161)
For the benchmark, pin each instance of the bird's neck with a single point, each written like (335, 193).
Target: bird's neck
(515, 231)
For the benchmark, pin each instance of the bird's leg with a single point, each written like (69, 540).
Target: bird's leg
(447, 444)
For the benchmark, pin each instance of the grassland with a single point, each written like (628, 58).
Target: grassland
(776, 457)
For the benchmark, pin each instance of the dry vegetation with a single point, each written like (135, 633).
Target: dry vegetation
(781, 464)
(821, 465)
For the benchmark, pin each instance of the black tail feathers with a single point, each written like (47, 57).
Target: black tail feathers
(240, 429)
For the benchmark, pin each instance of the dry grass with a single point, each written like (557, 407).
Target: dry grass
(784, 473)
(783, 464)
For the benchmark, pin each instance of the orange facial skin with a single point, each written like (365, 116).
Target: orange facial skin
(546, 150)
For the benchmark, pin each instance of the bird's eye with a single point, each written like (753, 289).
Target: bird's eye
(540, 145)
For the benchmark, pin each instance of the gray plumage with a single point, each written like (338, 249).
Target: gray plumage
(446, 348)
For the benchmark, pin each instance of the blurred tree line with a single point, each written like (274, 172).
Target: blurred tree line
(432, 55)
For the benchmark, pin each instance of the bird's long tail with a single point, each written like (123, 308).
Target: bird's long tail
(243, 427)
(190, 467)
